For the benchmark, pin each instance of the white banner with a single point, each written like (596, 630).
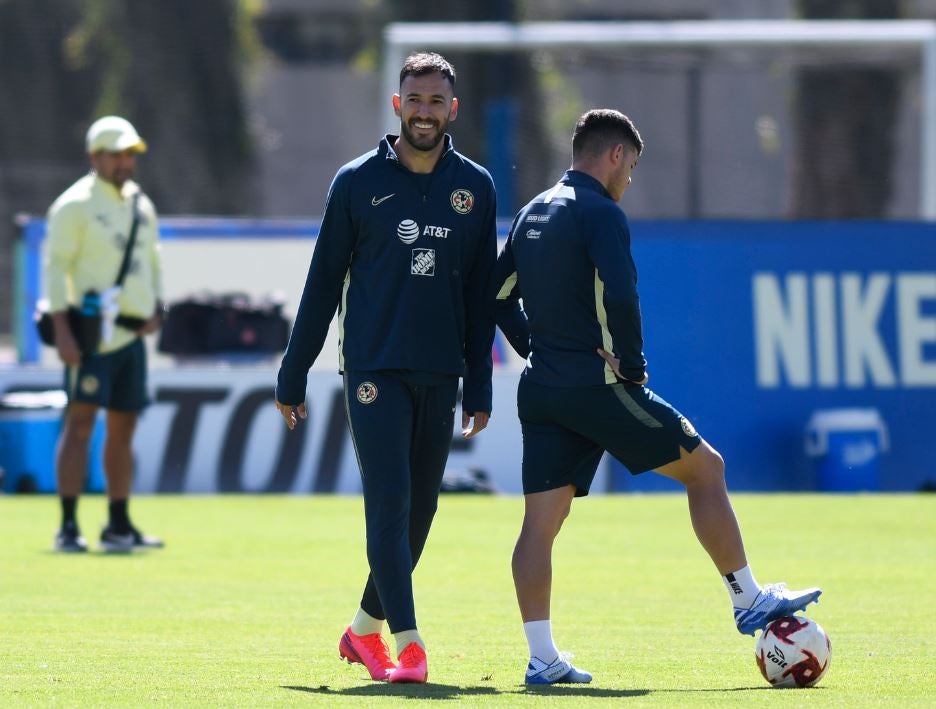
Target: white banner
(215, 429)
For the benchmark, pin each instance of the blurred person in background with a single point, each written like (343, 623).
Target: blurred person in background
(90, 227)
(405, 250)
(583, 391)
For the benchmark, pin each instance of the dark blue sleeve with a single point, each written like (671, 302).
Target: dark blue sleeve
(504, 300)
(321, 294)
(479, 330)
(607, 239)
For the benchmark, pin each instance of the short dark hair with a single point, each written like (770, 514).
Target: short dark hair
(422, 63)
(601, 128)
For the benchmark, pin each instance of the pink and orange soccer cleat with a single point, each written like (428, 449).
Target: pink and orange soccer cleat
(413, 666)
(370, 650)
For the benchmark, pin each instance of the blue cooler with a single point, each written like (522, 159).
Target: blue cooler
(29, 429)
(846, 445)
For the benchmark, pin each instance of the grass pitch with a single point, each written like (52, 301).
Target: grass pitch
(246, 604)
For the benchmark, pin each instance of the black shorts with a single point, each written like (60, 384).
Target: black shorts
(115, 381)
(567, 429)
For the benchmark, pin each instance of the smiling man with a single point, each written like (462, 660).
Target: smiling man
(406, 246)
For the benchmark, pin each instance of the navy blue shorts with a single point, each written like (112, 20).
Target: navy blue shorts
(567, 429)
(115, 381)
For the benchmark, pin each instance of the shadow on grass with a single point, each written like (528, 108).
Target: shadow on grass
(98, 553)
(579, 690)
(717, 689)
(573, 690)
(413, 691)
(448, 691)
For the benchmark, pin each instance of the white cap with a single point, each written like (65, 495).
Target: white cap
(113, 134)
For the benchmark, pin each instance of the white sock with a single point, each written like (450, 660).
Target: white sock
(742, 588)
(365, 624)
(539, 638)
(406, 637)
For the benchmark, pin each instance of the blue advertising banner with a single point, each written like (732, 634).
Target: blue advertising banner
(756, 330)
(805, 352)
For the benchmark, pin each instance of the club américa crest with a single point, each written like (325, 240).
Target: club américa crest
(687, 427)
(367, 392)
(89, 384)
(462, 201)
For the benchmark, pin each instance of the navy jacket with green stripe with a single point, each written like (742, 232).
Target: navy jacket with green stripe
(404, 258)
(568, 257)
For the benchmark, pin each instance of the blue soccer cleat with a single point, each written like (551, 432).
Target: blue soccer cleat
(559, 671)
(774, 601)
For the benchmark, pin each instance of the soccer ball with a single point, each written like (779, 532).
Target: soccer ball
(793, 651)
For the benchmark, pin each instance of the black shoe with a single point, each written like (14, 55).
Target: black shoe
(114, 543)
(145, 541)
(69, 540)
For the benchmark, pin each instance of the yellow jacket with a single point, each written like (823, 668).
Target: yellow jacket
(87, 231)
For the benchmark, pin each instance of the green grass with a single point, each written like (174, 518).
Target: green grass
(245, 605)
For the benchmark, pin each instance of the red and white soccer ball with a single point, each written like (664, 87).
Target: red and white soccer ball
(793, 651)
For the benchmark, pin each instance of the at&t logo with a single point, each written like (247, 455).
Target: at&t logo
(408, 231)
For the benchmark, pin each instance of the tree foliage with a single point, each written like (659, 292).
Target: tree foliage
(172, 67)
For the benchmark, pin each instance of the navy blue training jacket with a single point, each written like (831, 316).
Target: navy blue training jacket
(405, 259)
(568, 257)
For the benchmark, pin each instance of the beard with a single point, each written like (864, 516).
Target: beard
(426, 143)
(116, 177)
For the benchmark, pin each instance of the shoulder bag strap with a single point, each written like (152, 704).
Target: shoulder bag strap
(125, 264)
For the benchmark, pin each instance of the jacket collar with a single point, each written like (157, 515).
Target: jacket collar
(386, 151)
(577, 178)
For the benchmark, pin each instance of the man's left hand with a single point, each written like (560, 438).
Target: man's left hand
(481, 419)
(151, 324)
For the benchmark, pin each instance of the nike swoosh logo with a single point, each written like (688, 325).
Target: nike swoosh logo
(374, 201)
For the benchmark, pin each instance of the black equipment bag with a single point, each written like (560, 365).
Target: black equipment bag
(86, 328)
(226, 323)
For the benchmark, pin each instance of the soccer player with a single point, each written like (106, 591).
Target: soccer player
(583, 391)
(405, 251)
(89, 229)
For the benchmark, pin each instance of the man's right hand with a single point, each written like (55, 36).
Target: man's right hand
(615, 365)
(65, 342)
(289, 413)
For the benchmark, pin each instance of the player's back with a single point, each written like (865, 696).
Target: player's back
(565, 244)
